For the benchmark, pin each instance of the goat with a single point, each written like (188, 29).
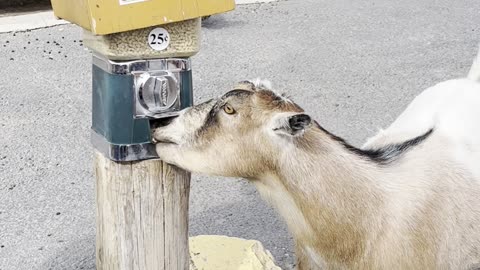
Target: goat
(408, 199)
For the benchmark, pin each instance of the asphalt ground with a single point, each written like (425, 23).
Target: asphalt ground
(353, 65)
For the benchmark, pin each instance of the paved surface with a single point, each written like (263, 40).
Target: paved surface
(354, 65)
(23, 22)
(9, 6)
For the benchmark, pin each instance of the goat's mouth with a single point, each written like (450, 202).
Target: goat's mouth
(162, 122)
(157, 135)
(164, 141)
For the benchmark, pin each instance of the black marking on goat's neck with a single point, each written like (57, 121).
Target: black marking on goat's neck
(383, 155)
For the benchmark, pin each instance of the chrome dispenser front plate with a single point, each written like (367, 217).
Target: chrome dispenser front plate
(156, 94)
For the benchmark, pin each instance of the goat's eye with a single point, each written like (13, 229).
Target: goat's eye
(228, 109)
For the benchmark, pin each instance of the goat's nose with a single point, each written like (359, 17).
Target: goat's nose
(162, 122)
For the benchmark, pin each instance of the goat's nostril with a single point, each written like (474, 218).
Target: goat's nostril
(162, 122)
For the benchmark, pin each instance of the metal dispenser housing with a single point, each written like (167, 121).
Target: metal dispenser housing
(128, 96)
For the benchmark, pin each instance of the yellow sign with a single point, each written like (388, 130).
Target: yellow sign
(112, 16)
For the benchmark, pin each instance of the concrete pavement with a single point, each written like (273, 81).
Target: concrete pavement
(353, 65)
(29, 21)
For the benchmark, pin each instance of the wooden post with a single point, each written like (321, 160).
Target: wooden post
(142, 215)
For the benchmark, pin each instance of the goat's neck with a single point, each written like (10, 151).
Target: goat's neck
(328, 197)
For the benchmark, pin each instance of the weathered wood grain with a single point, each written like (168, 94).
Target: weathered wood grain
(142, 215)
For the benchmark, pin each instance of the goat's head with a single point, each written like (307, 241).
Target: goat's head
(240, 134)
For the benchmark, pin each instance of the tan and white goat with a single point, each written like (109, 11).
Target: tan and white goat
(408, 199)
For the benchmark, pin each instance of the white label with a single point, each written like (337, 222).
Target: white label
(158, 39)
(126, 2)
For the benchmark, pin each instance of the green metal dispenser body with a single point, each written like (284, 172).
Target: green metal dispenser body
(128, 96)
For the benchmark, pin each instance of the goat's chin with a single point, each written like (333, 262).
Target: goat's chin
(174, 154)
(167, 152)
(181, 157)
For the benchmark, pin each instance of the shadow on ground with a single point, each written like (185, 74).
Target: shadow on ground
(217, 22)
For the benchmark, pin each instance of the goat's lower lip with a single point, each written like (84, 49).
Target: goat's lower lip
(166, 142)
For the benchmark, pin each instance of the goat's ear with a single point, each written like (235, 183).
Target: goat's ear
(291, 124)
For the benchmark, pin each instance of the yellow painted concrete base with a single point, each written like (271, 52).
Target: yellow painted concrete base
(218, 252)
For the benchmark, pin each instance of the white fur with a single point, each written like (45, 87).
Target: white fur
(474, 73)
(262, 83)
(316, 259)
(266, 84)
(275, 193)
(452, 108)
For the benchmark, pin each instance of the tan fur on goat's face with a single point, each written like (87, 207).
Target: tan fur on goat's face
(209, 140)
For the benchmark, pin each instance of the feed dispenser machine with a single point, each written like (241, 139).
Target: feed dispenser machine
(141, 73)
(141, 65)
